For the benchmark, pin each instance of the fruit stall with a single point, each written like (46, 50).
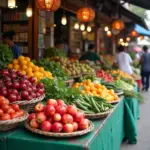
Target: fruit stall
(38, 109)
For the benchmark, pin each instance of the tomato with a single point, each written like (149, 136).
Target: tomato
(14, 115)
(1, 112)
(2, 98)
(10, 110)
(4, 101)
(21, 112)
(15, 107)
(72, 110)
(5, 107)
(5, 117)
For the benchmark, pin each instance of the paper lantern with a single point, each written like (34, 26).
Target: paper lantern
(11, 3)
(29, 11)
(85, 14)
(89, 29)
(109, 34)
(128, 39)
(64, 20)
(118, 25)
(48, 5)
(76, 26)
(134, 33)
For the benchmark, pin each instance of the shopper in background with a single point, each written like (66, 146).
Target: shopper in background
(7, 38)
(145, 68)
(123, 60)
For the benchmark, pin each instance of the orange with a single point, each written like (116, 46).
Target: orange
(15, 61)
(29, 70)
(45, 74)
(92, 88)
(21, 58)
(27, 59)
(94, 93)
(97, 85)
(24, 67)
(37, 74)
(30, 64)
(35, 68)
(16, 67)
(86, 88)
(9, 66)
(99, 91)
(23, 72)
(23, 62)
(41, 69)
(30, 74)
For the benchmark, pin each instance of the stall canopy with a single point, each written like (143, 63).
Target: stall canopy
(141, 30)
(141, 3)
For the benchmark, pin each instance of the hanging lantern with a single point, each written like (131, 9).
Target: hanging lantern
(85, 14)
(121, 40)
(118, 24)
(64, 20)
(11, 3)
(109, 34)
(82, 27)
(29, 11)
(134, 33)
(89, 29)
(128, 39)
(48, 5)
(76, 26)
(106, 28)
(141, 37)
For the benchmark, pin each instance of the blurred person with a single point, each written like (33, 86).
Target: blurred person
(7, 38)
(145, 68)
(123, 60)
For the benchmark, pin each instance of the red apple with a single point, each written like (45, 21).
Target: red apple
(75, 126)
(10, 111)
(46, 126)
(32, 116)
(49, 110)
(68, 128)
(5, 107)
(84, 124)
(52, 102)
(15, 107)
(60, 102)
(56, 117)
(79, 116)
(61, 110)
(72, 110)
(5, 117)
(41, 117)
(57, 127)
(34, 124)
(1, 112)
(39, 107)
(67, 118)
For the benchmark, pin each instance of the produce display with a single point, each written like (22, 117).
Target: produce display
(95, 89)
(6, 56)
(120, 74)
(92, 105)
(18, 87)
(25, 65)
(57, 117)
(105, 76)
(124, 86)
(73, 68)
(52, 67)
(9, 111)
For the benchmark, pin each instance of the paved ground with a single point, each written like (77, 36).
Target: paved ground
(143, 127)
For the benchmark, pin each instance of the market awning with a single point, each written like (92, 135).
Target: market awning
(141, 3)
(141, 30)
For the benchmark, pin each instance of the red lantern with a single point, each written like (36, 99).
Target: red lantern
(134, 33)
(118, 24)
(48, 5)
(85, 14)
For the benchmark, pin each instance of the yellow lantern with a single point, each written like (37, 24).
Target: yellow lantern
(85, 14)
(134, 33)
(118, 24)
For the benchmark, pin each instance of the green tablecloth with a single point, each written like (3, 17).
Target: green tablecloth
(107, 135)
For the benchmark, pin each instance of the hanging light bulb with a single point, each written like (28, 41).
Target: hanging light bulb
(76, 26)
(128, 39)
(89, 29)
(106, 29)
(82, 27)
(64, 20)
(11, 3)
(126, 44)
(29, 11)
(121, 39)
(109, 34)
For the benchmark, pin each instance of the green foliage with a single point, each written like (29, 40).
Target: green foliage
(53, 67)
(132, 54)
(6, 56)
(52, 52)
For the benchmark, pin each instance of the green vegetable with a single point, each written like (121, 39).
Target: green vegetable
(53, 67)
(6, 56)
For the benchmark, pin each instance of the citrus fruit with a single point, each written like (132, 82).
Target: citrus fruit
(21, 58)
(41, 69)
(15, 61)
(27, 59)
(9, 66)
(16, 66)
(30, 64)
(24, 67)
(35, 68)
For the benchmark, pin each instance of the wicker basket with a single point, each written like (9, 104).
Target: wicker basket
(119, 93)
(114, 102)
(69, 82)
(11, 124)
(98, 115)
(29, 105)
(60, 135)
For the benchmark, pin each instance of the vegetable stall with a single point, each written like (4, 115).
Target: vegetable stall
(38, 109)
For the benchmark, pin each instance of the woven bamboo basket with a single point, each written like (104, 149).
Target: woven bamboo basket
(11, 124)
(119, 93)
(29, 105)
(115, 101)
(60, 135)
(98, 115)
